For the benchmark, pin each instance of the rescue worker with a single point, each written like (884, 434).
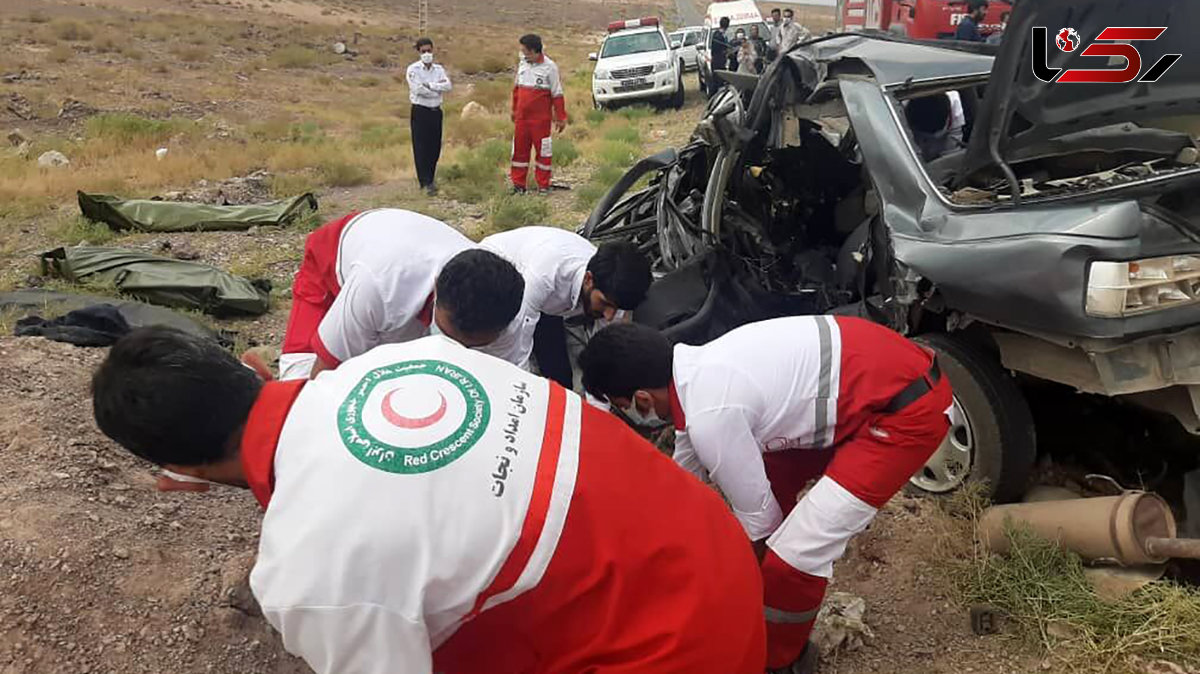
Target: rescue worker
(735, 49)
(773, 41)
(792, 33)
(566, 277)
(431, 508)
(770, 406)
(537, 105)
(370, 278)
(968, 27)
(427, 82)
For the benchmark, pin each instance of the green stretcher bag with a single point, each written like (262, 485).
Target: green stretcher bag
(159, 280)
(148, 215)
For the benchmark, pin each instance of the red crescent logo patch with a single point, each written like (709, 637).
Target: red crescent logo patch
(400, 421)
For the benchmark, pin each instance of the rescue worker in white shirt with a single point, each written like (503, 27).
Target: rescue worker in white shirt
(770, 406)
(537, 104)
(427, 82)
(372, 278)
(566, 277)
(431, 508)
(773, 41)
(792, 33)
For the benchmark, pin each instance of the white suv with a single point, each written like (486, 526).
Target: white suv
(637, 63)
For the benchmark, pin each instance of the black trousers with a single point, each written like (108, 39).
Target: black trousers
(427, 142)
(550, 350)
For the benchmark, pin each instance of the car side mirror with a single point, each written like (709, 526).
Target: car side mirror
(593, 56)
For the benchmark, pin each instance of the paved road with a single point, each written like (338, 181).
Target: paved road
(689, 14)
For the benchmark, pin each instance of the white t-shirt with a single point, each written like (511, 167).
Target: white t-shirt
(392, 515)
(553, 262)
(388, 263)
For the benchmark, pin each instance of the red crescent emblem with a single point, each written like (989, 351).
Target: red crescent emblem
(400, 421)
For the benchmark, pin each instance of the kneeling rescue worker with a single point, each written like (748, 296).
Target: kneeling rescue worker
(770, 406)
(429, 507)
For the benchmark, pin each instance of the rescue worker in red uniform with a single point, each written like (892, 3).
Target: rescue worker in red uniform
(432, 508)
(770, 406)
(537, 105)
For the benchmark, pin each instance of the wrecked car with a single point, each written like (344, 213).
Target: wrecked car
(1015, 226)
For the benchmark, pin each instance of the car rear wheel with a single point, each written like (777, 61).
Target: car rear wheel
(992, 437)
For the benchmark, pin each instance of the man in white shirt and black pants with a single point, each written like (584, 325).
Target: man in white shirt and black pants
(427, 81)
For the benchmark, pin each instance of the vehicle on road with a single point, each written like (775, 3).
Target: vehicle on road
(741, 14)
(942, 189)
(637, 63)
(686, 41)
(918, 19)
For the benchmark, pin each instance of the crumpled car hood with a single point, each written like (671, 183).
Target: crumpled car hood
(1020, 110)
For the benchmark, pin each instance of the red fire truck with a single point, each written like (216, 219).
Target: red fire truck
(919, 19)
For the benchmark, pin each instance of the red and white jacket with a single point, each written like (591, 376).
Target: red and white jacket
(413, 488)
(538, 93)
(800, 383)
(417, 502)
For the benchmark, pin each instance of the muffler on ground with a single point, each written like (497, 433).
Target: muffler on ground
(1131, 529)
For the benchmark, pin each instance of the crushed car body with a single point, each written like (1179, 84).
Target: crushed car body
(1012, 224)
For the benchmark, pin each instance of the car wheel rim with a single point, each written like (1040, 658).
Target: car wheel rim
(950, 465)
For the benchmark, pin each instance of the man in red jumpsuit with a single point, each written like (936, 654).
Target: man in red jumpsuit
(538, 104)
(770, 406)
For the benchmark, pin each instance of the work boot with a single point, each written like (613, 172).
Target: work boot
(808, 662)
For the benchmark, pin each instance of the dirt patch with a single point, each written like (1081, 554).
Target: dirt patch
(917, 624)
(129, 580)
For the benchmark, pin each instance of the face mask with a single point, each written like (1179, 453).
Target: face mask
(787, 22)
(741, 36)
(186, 478)
(521, 57)
(427, 58)
(435, 330)
(651, 420)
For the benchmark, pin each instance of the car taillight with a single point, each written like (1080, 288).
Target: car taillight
(1117, 289)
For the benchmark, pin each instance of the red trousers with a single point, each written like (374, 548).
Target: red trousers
(532, 137)
(860, 475)
(315, 286)
(652, 575)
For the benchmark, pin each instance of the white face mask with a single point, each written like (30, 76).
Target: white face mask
(650, 420)
(787, 22)
(521, 57)
(427, 57)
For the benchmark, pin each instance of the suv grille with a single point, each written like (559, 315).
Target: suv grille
(630, 73)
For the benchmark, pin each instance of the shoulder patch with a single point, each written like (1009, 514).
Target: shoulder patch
(413, 417)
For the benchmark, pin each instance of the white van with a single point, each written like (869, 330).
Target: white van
(686, 41)
(741, 14)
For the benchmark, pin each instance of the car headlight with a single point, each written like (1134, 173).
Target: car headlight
(662, 67)
(1118, 289)
(600, 74)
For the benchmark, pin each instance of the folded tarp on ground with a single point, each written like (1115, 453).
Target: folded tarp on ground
(178, 216)
(159, 280)
(29, 303)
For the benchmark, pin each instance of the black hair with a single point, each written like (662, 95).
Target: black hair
(622, 272)
(776, 10)
(624, 358)
(973, 5)
(928, 114)
(790, 12)
(724, 22)
(173, 398)
(533, 42)
(481, 291)
(423, 42)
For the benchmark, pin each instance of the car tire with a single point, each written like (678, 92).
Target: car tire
(597, 104)
(680, 97)
(996, 429)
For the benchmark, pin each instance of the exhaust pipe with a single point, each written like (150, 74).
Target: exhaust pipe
(1132, 529)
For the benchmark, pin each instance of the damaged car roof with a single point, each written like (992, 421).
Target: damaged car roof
(895, 61)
